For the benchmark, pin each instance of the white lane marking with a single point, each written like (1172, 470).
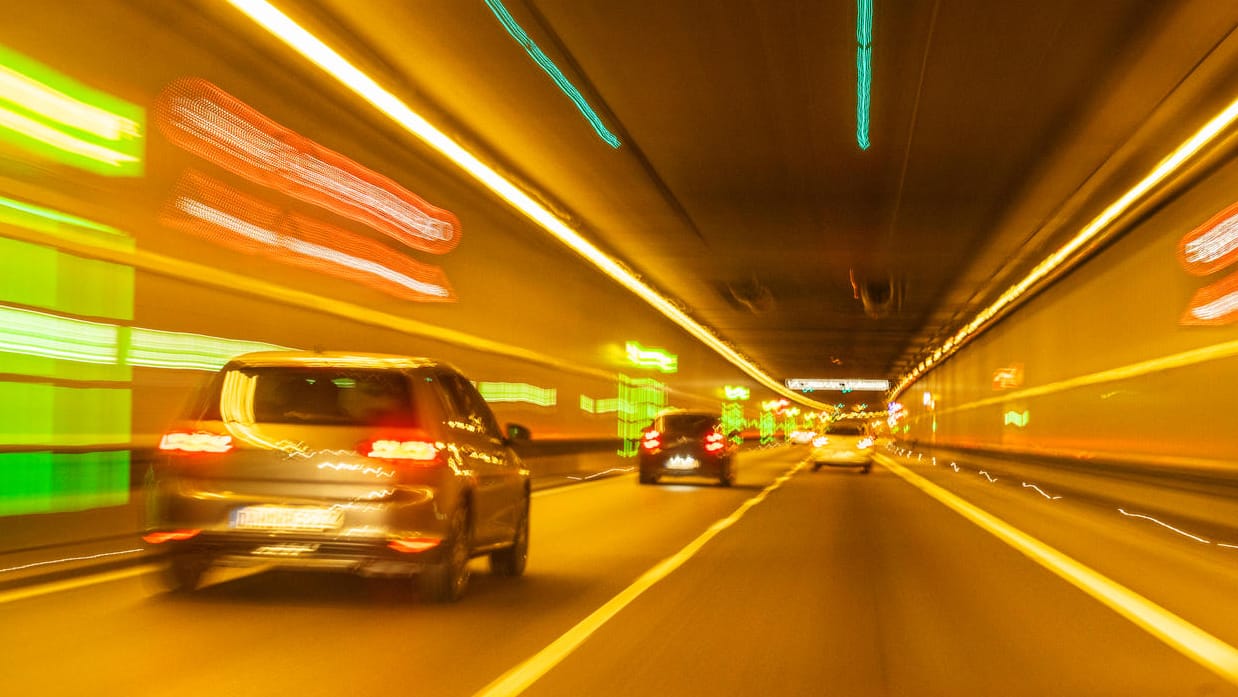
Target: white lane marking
(1165, 525)
(101, 555)
(1184, 637)
(73, 583)
(988, 476)
(598, 474)
(518, 679)
(1040, 491)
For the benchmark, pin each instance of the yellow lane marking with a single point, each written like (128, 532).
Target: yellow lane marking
(1189, 640)
(518, 679)
(72, 583)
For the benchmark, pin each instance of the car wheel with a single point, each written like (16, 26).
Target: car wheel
(728, 474)
(184, 572)
(816, 467)
(445, 581)
(868, 468)
(512, 560)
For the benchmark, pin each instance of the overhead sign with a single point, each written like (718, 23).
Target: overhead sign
(837, 385)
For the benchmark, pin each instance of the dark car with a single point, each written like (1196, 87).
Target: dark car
(372, 464)
(845, 443)
(685, 443)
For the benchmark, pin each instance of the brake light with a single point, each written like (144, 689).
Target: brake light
(715, 442)
(418, 450)
(652, 440)
(196, 442)
(414, 544)
(169, 536)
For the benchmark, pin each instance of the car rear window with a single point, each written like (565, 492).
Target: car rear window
(845, 428)
(692, 424)
(317, 395)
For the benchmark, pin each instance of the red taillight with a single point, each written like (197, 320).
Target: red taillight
(414, 544)
(652, 440)
(169, 536)
(195, 442)
(388, 449)
(715, 442)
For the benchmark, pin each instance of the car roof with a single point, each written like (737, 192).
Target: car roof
(332, 359)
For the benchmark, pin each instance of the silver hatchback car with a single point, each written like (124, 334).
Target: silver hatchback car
(373, 464)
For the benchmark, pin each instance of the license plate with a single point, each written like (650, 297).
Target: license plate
(287, 518)
(681, 462)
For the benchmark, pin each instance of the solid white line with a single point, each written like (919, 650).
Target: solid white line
(73, 583)
(1189, 640)
(518, 679)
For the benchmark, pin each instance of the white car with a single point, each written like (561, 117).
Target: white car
(844, 444)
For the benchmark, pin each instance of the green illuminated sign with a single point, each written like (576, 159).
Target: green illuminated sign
(737, 392)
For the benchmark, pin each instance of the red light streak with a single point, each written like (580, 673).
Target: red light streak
(214, 211)
(208, 122)
(1214, 305)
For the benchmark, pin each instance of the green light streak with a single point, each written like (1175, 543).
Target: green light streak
(33, 333)
(54, 116)
(517, 33)
(518, 392)
(640, 399)
(152, 348)
(863, 70)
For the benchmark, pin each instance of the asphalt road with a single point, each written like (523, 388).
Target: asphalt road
(829, 583)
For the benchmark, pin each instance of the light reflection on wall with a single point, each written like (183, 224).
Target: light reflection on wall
(214, 211)
(640, 399)
(54, 117)
(205, 120)
(1205, 250)
(518, 392)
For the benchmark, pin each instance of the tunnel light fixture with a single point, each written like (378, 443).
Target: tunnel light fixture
(313, 49)
(863, 70)
(656, 358)
(517, 32)
(1203, 137)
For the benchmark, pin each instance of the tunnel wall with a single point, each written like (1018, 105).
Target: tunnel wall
(1100, 365)
(114, 308)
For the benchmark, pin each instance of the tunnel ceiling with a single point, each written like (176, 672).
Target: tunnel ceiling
(739, 188)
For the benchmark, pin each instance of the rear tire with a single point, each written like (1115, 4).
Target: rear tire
(728, 474)
(446, 581)
(512, 560)
(816, 467)
(184, 572)
(868, 468)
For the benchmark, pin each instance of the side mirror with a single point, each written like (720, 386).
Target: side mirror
(517, 433)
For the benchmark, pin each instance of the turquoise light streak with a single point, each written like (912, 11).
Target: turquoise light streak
(509, 23)
(863, 69)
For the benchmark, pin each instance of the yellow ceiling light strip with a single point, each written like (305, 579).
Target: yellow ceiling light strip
(318, 53)
(1168, 166)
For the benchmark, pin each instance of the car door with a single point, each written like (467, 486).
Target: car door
(499, 489)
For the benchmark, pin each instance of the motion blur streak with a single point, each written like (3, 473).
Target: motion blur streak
(518, 679)
(153, 348)
(1211, 246)
(1168, 166)
(46, 112)
(214, 125)
(35, 591)
(213, 211)
(1186, 638)
(313, 49)
(54, 223)
(1216, 352)
(38, 334)
(1214, 304)
(518, 392)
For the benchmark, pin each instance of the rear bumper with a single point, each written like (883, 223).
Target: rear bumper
(362, 557)
(842, 457)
